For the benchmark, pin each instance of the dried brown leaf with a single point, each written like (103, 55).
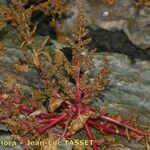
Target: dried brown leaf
(54, 104)
(78, 123)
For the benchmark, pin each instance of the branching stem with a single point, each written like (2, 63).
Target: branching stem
(91, 136)
(43, 129)
(106, 118)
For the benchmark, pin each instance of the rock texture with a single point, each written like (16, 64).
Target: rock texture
(128, 93)
(118, 42)
(124, 15)
(129, 87)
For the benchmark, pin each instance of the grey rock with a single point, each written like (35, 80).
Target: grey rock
(124, 16)
(3, 128)
(3, 1)
(120, 148)
(116, 41)
(33, 78)
(134, 22)
(128, 94)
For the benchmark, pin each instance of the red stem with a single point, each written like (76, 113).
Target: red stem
(140, 132)
(44, 115)
(25, 109)
(49, 120)
(60, 133)
(68, 134)
(106, 129)
(91, 136)
(74, 108)
(44, 128)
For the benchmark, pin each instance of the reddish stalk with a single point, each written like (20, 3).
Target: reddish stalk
(68, 134)
(60, 133)
(140, 132)
(91, 136)
(44, 128)
(49, 120)
(44, 115)
(25, 109)
(46, 120)
(97, 125)
(74, 108)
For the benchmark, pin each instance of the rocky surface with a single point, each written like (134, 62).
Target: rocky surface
(2, 1)
(128, 94)
(116, 41)
(129, 86)
(124, 15)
